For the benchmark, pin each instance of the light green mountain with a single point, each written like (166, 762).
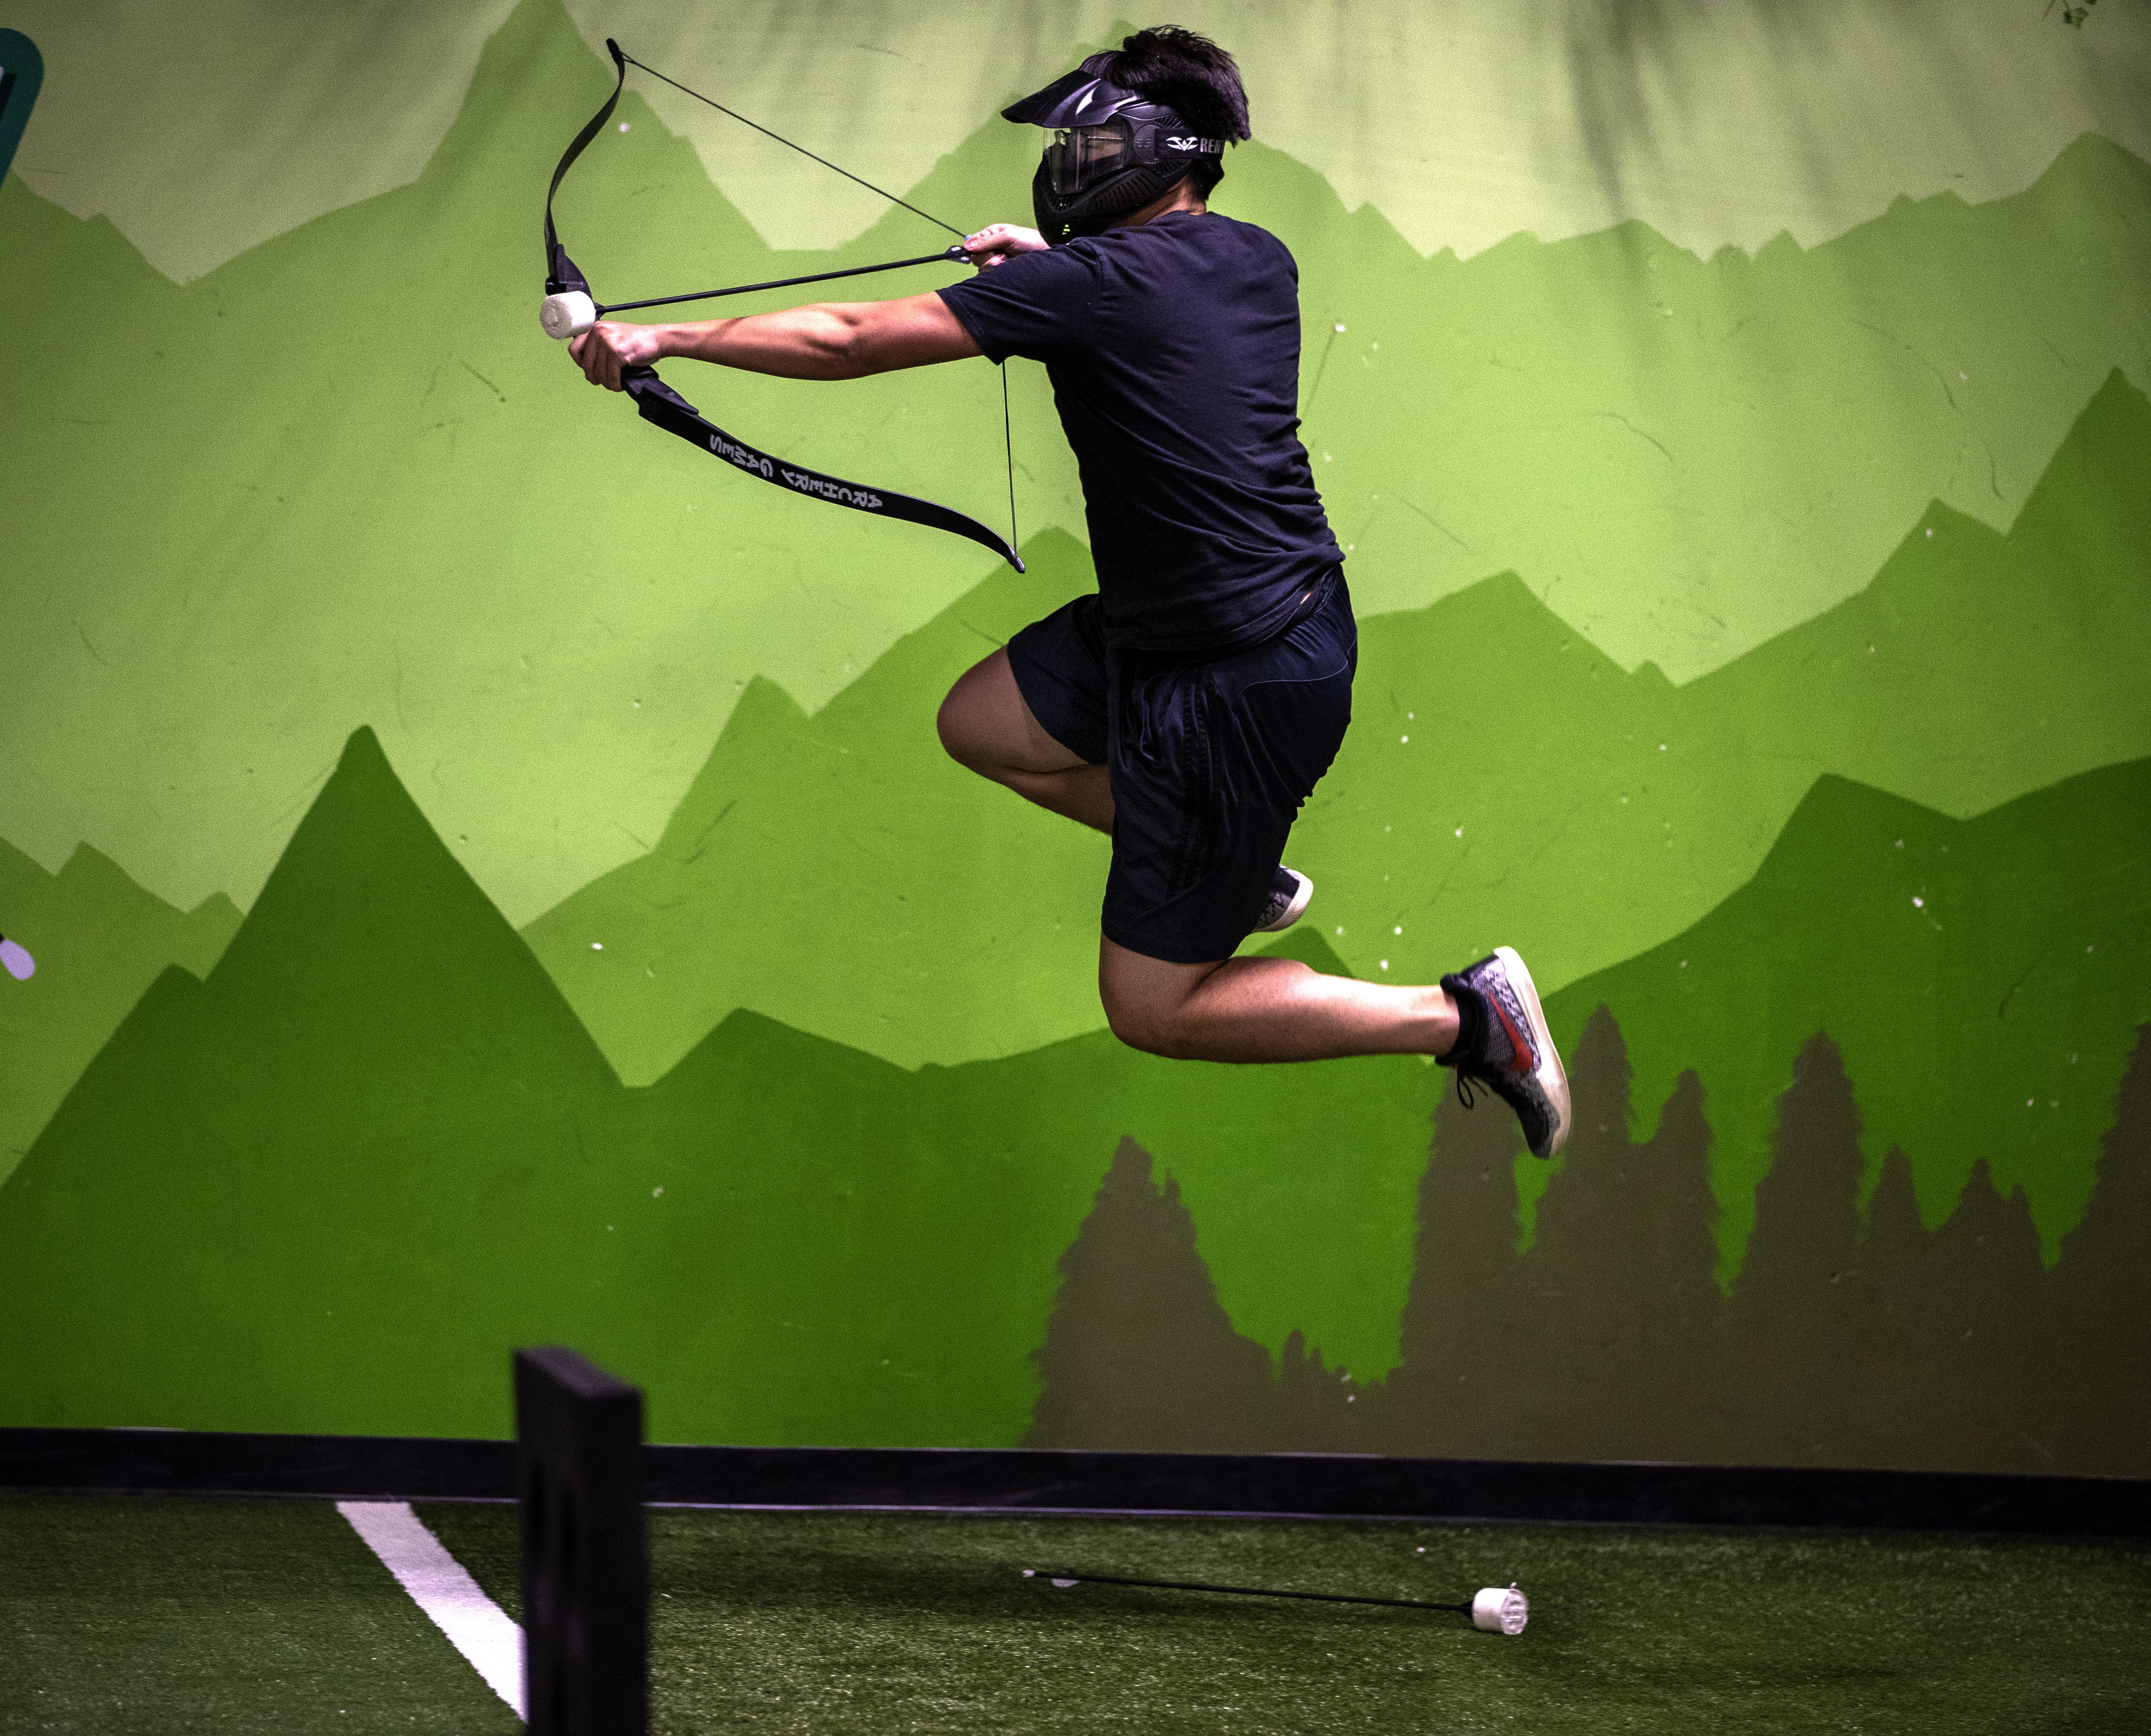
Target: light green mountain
(349, 467)
(99, 940)
(1686, 456)
(341, 478)
(839, 873)
(1585, 814)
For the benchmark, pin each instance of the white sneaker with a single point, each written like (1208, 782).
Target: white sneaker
(1516, 1057)
(1289, 895)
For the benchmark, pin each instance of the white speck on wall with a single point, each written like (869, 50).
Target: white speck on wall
(1661, 747)
(1399, 929)
(1930, 531)
(623, 126)
(1340, 328)
(657, 1193)
(1401, 740)
(597, 946)
(1460, 832)
(1386, 964)
(1900, 844)
(1341, 930)
(1918, 903)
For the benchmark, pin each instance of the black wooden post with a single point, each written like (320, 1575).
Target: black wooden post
(585, 1561)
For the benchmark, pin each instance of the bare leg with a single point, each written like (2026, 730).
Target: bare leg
(1265, 1009)
(1238, 1010)
(985, 726)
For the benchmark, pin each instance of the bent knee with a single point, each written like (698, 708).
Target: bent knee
(957, 742)
(973, 730)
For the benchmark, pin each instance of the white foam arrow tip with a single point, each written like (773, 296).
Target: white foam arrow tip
(1496, 1610)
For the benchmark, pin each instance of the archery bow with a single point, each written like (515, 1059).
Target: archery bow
(570, 310)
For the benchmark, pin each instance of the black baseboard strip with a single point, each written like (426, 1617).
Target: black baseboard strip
(179, 1461)
(404, 1468)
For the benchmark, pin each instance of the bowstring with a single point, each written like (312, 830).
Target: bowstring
(1008, 435)
(1008, 452)
(800, 148)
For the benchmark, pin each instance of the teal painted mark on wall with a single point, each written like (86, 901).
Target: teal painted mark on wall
(22, 73)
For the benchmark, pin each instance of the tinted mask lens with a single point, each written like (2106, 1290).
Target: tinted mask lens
(1079, 157)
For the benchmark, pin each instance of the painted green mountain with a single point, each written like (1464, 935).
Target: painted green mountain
(1596, 813)
(341, 478)
(1883, 1341)
(100, 941)
(904, 906)
(1983, 980)
(1685, 457)
(840, 874)
(325, 1187)
(348, 464)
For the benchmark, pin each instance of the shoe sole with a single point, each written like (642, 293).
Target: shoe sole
(1551, 1077)
(1295, 909)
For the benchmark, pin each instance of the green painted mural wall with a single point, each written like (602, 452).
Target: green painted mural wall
(492, 878)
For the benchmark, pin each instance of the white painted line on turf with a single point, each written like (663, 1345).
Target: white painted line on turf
(475, 1625)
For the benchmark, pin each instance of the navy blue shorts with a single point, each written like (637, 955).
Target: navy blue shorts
(1209, 761)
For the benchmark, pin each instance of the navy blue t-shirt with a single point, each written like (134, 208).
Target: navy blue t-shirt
(1173, 348)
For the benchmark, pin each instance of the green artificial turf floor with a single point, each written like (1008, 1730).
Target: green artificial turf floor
(152, 1615)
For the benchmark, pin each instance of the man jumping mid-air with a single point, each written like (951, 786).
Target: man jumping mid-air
(1188, 706)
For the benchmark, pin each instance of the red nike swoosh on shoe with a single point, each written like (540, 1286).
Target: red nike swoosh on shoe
(1520, 1042)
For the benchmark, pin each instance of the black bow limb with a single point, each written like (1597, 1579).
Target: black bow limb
(659, 404)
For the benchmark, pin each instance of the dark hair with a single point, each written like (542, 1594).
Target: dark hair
(1189, 74)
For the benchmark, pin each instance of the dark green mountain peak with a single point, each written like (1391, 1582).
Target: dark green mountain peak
(1879, 922)
(2096, 493)
(100, 940)
(747, 1053)
(370, 931)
